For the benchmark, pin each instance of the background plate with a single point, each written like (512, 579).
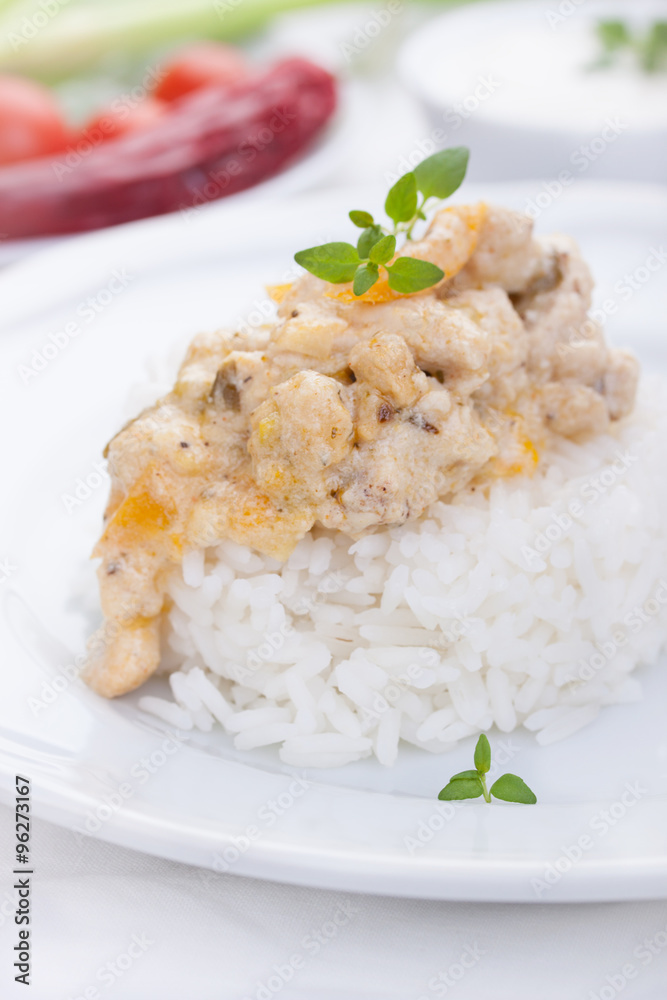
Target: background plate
(77, 325)
(316, 166)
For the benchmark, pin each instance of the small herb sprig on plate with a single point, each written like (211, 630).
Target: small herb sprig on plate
(472, 784)
(437, 177)
(650, 48)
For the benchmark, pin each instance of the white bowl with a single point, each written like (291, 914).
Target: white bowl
(513, 81)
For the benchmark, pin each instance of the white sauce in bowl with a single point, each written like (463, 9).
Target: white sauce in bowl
(537, 66)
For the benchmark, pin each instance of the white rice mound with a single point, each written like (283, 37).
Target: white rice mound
(526, 604)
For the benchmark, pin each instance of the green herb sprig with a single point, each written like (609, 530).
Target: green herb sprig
(472, 784)
(437, 177)
(650, 47)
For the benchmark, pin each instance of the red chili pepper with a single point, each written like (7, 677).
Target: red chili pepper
(215, 142)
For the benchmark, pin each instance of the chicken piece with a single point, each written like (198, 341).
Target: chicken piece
(121, 656)
(386, 363)
(444, 342)
(519, 438)
(558, 317)
(583, 358)
(429, 451)
(310, 330)
(491, 310)
(451, 238)
(235, 508)
(619, 383)
(241, 383)
(301, 429)
(571, 409)
(505, 255)
(166, 433)
(373, 410)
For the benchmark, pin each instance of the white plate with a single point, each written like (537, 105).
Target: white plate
(360, 828)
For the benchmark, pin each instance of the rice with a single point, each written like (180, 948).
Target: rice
(528, 603)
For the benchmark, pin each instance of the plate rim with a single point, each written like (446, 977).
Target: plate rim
(434, 876)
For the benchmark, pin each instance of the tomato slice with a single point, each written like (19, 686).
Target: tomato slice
(31, 123)
(122, 117)
(200, 65)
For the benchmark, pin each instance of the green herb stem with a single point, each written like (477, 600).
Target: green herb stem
(419, 214)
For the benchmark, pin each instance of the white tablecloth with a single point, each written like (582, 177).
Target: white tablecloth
(195, 935)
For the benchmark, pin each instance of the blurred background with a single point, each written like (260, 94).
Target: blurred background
(114, 110)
